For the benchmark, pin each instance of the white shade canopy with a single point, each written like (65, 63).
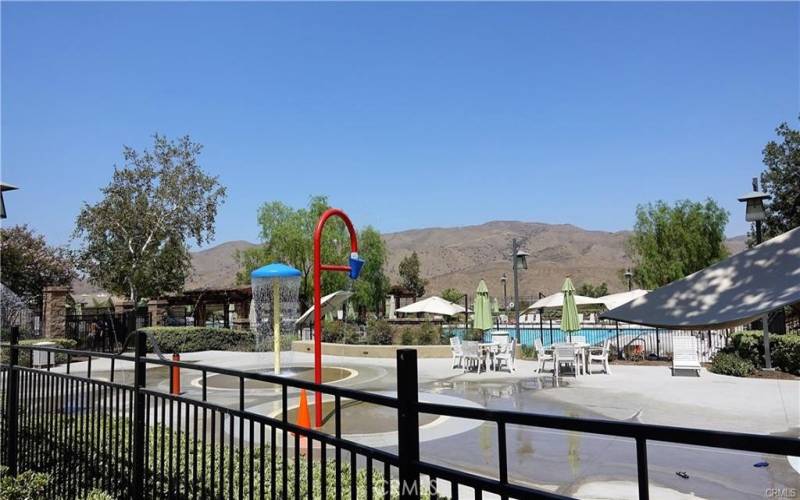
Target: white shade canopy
(729, 293)
(330, 302)
(432, 305)
(556, 301)
(615, 300)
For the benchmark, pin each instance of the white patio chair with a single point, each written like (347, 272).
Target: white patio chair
(500, 337)
(566, 355)
(684, 354)
(506, 355)
(600, 356)
(577, 339)
(471, 355)
(455, 349)
(541, 355)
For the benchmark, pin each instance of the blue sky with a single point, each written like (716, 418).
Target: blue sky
(406, 114)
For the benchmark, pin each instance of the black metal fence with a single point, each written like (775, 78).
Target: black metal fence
(117, 434)
(104, 331)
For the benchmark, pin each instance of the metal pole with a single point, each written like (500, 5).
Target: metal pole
(516, 286)
(407, 423)
(619, 349)
(767, 354)
(12, 392)
(466, 316)
(139, 383)
(505, 297)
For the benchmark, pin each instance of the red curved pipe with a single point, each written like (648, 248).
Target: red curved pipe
(318, 268)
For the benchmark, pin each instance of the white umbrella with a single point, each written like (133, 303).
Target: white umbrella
(432, 305)
(617, 299)
(732, 292)
(556, 301)
(328, 303)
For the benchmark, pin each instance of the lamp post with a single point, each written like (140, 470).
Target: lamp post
(519, 261)
(629, 277)
(754, 212)
(504, 279)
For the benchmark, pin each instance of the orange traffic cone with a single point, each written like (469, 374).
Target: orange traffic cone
(303, 419)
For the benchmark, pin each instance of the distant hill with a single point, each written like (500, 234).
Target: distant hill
(459, 257)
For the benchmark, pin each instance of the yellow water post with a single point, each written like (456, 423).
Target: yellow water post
(276, 322)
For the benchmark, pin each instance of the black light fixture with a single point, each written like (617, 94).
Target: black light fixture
(629, 277)
(519, 261)
(504, 280)
(3, 188)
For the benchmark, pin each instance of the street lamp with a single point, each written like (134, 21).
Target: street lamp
(519, 261)
(629, 277)
(754, 212)
(504, 279)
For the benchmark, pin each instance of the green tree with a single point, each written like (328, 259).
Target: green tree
(670, 242)
(452, 295)
(372, 285)
(589, 290)
(29, 264)
(781, 180)
(410, 275)
(134, 240)
(287, 236)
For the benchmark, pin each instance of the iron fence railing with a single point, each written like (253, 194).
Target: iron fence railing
(626, 341)
(132, 440)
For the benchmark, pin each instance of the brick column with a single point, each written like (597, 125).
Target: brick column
(157, 310)
(54, 311)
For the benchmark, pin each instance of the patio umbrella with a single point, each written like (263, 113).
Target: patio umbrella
(482, 319)
(432, 305)
(569, 311)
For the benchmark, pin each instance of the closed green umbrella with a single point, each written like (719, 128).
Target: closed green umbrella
(482, 308)
(569, 311)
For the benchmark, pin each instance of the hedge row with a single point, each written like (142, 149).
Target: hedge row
(380, 332)
(199, 338)
(25, 355)
(784, 350)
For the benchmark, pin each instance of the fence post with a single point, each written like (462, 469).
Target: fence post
(137, 488)
(658, 345)
(408, 423)
(619, 348)
(12, 411)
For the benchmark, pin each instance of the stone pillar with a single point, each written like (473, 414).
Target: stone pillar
(54, 311)
(123, 306)
(157, 310)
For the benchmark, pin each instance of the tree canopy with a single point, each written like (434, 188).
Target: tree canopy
(452, 295)
(589, 290)
(410, 275)
(287, 236)
(29, 264)
(134, 240)
(781, 180)
(372, 285)
(670, 242)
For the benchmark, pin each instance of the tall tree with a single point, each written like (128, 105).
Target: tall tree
(134, 240)
(372, 285)
(452, 295)
(781, 180)
(670, 242)
(28, 263)
(287, 236)
(410, 275)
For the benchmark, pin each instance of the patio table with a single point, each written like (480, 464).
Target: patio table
(581, 350)
(490, 349)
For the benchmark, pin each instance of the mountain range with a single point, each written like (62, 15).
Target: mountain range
(459, 257)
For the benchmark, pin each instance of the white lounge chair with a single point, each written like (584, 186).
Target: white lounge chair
(600, 356)
(455, 349)
(566, 354)
(684, 355)
(506, 355)
(541, 355)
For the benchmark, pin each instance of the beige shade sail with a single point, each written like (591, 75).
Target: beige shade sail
(556, 301)
(729, 293)
(614, 300)
(432, 305)
(328, 303)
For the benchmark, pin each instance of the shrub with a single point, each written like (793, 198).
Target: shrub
(98, 495)
(528, 352)
(429, 334)
(25, 355)
(408, 337)
(200, 338)
(784, 350)
(728, 363)
(379, 333)
(26, 485)
(340, 332)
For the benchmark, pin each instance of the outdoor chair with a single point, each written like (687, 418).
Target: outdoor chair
(500, 337)
(471, 355)
(600, 356)
(578, 339)
(684, 355)
(541, 355)
(506, 355)
(455, 349)
(566, 355)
